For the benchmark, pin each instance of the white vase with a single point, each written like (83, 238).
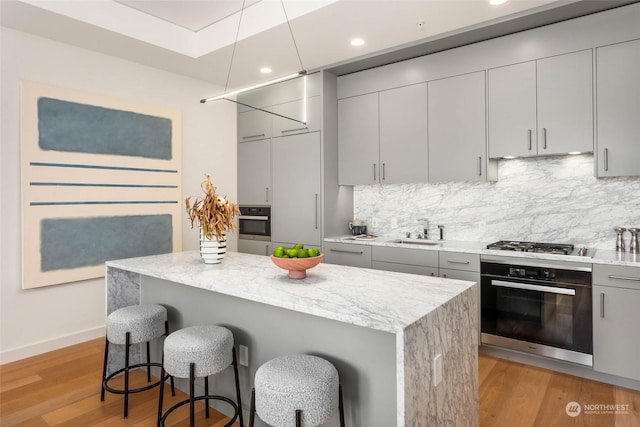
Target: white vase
(212, 250)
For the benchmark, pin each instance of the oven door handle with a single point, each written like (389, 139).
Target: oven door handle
(529, 287)
(254, 217)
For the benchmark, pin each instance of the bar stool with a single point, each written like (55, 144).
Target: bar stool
(296, 390)
(200, 351)
(133, 325)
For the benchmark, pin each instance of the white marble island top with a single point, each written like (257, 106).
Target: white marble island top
(379, 300)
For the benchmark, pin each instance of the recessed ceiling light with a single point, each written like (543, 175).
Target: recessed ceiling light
(265, 70)
(496, 2)
(575, 152)
(357, 42)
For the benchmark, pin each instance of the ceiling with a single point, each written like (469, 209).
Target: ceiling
(196, 38)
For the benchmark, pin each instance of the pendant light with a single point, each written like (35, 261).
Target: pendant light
(226, 94)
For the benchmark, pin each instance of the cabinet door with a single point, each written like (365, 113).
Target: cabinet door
(254, 172)
(403, 135)
(358, 140)
(512, 110)
(256, 247)
(457, 145)
(616, 344)
(295, 210)
(565, 103)
(298, 111)
(347, 254)
(618, 109)
(254, 124)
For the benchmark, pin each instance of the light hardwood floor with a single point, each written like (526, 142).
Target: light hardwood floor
(62, 388)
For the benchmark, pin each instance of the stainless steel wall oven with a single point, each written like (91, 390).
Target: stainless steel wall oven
(538, 307)
(255, 223)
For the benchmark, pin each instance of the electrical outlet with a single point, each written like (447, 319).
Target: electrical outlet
(394, 223)
(437, 370)
(482, 226)
(244, 355)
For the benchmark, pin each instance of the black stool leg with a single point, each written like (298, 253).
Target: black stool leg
(126, 374)
(192, 392)
(340, 405)
(298, 418)
(104, 367)
(161, 397)
(235, 372)
(252, 409)
(148, 363)
(206, 393)
(173, 386)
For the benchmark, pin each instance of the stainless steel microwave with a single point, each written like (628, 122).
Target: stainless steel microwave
(255, 223)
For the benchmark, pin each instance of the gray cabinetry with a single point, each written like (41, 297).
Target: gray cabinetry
(298, 110)
(254, 172)
(542, 107)
(253, 124)
(347, 254)
(616, 342)
(456, 127)
(296, 189)
(405, 260)
(256, 247)
(403, 135)
(618, 109)
(358, 140)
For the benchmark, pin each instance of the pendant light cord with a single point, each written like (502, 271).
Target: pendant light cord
(235, 43)
(292, 38)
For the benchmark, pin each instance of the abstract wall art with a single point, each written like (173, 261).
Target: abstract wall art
(101, 180)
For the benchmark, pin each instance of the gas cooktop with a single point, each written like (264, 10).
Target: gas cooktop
(547, 248)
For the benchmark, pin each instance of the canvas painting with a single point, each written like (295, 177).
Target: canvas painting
(101, 180)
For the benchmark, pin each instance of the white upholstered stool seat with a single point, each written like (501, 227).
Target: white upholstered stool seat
(296, 390)
(127, 326)
(200, 351)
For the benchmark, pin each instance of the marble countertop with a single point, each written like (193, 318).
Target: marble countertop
(379, 300)
(594, 256)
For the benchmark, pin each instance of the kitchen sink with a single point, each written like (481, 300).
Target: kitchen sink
(423, 242)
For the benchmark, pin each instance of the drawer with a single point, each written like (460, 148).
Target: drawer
(405, 268)
(470, 276)
(347, 254)
(422, 257)
(621, 276)
(459, 261)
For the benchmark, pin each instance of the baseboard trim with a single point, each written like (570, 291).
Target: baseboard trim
(35, 349)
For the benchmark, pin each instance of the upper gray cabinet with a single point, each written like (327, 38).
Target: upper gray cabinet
(618, 109)
(253, 124)
(383, 137)
(300, 111)
(542, 107)
(254, 172)
(456, 121)
(358, 140)
(403, 135)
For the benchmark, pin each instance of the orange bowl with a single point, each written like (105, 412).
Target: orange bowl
(297, 266)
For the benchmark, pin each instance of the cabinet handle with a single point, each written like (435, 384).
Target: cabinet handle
(344, 251)
(383, 171)
(266, 194)
(316, 211)
(635, 279)
(479, 165)
(444, 276)
(455, 261)
(529, 136)
(266, 250)
(374, 172)
(253, 136)
(602, 304)
(294, 130)
(544, 138)
(606, 159)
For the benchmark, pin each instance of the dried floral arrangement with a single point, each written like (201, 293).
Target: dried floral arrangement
(213, 213)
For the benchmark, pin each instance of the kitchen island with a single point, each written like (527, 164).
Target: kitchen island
(382, 330)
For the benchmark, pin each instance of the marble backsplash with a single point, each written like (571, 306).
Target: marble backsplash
(545, 199)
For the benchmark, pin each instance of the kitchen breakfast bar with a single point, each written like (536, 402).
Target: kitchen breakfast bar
(385, 332)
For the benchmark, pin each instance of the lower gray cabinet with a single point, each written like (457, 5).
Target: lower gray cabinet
(616, 317)
(350, 254)
(405, 260)
(256, 247)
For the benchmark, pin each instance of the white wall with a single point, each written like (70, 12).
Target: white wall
(39, 320)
